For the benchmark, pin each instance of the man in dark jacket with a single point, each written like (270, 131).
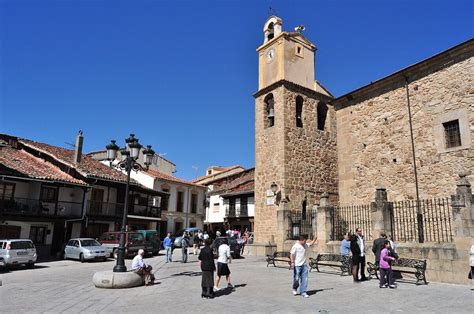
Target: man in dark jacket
(377, 247)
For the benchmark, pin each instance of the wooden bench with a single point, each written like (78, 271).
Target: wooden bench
(400, 265)
(279, 257)
(343, 262)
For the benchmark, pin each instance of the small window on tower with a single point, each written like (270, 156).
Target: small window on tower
(452, 134)
(299, 111)
(322, 112)
(299, 51)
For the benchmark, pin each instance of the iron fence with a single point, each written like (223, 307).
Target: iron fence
(348, 218)
(434, 225)
(302, 223)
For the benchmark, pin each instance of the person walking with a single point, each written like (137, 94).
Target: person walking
(184, 247)
(299, 265)
(196, 243)
(378, 245)
(361, 244)
(168, 245)
(206, 258)
(223, 260)
(385, 268)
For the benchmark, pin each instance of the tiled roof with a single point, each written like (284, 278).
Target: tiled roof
(237, 183)
(216, 174)
(88, 167)
(20, 163)
(163, 176)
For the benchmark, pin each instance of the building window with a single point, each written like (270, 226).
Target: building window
(178, 226)
(164, 200)
(38, 235)
(179, 201)
(269, 111)
(193, 203)
(322, 113)
(452, 134)
(299, 112)
(48, 194)
(192, 224)
(7, 190)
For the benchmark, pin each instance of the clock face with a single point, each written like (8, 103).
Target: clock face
(270, 54)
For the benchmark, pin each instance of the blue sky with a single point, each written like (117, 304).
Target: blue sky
(181, 74)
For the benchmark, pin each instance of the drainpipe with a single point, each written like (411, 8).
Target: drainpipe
(419, 215)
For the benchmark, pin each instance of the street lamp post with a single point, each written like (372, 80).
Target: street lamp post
(129, 162)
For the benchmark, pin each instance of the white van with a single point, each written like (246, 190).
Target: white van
(17, 252)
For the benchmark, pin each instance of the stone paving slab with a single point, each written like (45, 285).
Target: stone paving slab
(66, 286)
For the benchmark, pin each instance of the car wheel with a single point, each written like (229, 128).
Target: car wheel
(30, 265)
(115, 253)
(81, 257)
(104, 259)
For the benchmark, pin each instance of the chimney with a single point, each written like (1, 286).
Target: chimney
(78, 152)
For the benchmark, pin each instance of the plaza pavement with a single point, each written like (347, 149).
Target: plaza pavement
(66, 286)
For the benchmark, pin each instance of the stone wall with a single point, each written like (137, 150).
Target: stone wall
(300, 160)
(373, 136)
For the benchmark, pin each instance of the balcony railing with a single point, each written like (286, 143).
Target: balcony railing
(35, 207)
(143, 210)
(104, 209)
(233, 211)
(115, 210)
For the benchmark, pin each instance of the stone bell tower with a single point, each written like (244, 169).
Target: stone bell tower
(295, 131)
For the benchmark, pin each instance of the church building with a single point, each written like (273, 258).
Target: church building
(410, 132)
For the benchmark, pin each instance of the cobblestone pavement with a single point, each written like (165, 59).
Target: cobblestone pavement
(66, 286)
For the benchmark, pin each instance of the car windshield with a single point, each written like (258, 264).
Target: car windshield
(135, 237)
(90, 242)
(21, 245)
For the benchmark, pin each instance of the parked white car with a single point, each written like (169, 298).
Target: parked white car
(17, 252)
(85, 249)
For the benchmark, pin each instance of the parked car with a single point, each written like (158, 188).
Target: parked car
(179, 236)
(17, 252)
(152, 241)
(235, 247)
(85, 249)
(134, 241)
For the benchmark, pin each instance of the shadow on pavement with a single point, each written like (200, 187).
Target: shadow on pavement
(227, 290)
(188, 273)
(311, 292)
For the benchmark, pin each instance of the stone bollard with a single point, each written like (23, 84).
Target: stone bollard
(381, 213)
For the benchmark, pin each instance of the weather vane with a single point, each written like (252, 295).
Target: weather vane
(271, 11)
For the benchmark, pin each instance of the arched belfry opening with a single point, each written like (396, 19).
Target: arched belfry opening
(322, 113)
(269, 111)
(299, 111)
(272, 28)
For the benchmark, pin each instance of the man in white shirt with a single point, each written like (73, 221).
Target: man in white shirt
(222, 261)
(361, 263)
(139, 266)
(299, 265)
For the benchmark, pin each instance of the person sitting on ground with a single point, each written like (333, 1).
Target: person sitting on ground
(139, 266)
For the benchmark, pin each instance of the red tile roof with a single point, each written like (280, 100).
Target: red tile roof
(88, 167)
(21, 163)
(163, 176)
(241, 182)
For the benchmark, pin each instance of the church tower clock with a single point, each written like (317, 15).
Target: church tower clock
(295, 136)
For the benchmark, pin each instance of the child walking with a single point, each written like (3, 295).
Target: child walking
(385, 267)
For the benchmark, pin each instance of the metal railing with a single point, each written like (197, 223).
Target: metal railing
(36, 207)
(348, 218)
(302, 223)
(104, 209)
(437, 216)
